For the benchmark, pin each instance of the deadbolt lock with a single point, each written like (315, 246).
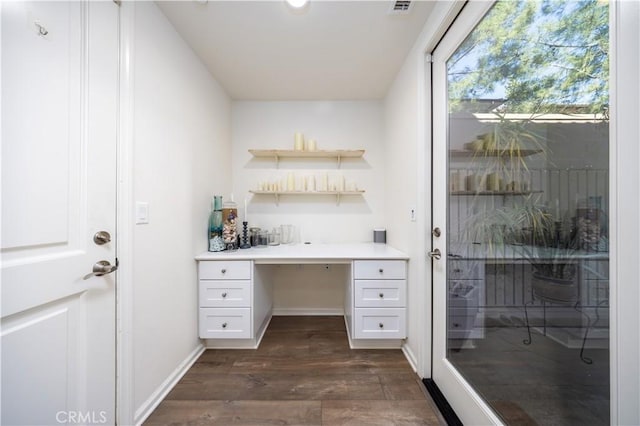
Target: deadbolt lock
(101, 237)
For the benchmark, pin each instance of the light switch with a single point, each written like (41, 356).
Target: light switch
(142, 212)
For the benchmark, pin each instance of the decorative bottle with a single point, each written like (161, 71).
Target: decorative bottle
(230, 225)
(216, 242)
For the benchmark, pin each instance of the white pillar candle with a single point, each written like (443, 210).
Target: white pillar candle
(325, 183)
(340, 186)
(453, 180)
(299, 142)
(471, 182)
(312, 183)
(291, 182)
(493, 182)
(311, 145)
(457, 181)
(245, 210)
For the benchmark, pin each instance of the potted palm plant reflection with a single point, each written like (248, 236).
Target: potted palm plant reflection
(529, 231)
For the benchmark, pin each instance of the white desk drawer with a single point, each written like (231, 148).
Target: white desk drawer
(381, 323)
(379, 269)
(465, 270)
(225, 323)
(224, 270)
(227, 294)
(380, 293)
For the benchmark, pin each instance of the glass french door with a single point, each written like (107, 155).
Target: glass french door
(521, 195)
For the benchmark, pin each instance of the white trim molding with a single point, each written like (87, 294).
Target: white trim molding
(124, 238)
(624, 296)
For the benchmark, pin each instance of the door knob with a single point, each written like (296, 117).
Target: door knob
(436, 232)
(101, 268)
(435, 254)
(101, 237)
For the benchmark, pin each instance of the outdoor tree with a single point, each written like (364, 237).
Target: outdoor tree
(539, 57)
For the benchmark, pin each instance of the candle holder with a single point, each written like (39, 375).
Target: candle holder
(245, 238)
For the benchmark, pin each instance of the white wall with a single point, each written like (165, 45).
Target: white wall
(405, 161)
(408, 165)
(334, 125)
(181, 157)
(309, 289)
(318, 219)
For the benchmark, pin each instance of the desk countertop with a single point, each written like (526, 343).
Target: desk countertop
(309, 253)
(508, 252)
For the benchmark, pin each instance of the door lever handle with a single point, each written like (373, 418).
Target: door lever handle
(435, 254)
(101, 268)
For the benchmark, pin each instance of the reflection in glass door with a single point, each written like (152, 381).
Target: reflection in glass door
(527, 211)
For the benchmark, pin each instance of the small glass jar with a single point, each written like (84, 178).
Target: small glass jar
(254, 235)
(274, 237)
(263, 238)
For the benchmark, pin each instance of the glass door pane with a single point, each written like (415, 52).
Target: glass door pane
(528, 203)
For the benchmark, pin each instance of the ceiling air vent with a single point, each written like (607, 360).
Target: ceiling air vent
(400, 7)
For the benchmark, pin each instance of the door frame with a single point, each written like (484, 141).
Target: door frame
(461, 395)
(624, 182)
(125, 402)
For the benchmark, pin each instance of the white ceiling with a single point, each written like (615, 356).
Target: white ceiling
(262, 50)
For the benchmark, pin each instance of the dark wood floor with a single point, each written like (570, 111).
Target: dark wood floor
(303, 374)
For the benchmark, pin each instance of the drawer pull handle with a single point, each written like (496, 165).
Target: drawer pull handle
(381, 295)
(381, 325)
(224, 271)
(381, 270)
(224, 325)
(224, 295)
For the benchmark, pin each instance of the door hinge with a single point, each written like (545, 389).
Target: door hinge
(428, 58)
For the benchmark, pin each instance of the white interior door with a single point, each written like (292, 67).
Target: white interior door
(59, 122)
(468, 405)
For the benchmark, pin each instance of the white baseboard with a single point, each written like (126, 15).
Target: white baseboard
(308, 312)
(375, 344)
(408, 353)
(163, 390)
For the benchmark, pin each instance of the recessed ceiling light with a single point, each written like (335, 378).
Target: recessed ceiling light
(297, 4)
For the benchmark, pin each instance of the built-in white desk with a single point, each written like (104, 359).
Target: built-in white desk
(236, 301)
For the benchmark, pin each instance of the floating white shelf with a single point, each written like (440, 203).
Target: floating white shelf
(466, 153)
(277, 154)
(489, 193)
(337, 194)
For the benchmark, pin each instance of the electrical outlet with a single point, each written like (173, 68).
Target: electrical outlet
(412, 214)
